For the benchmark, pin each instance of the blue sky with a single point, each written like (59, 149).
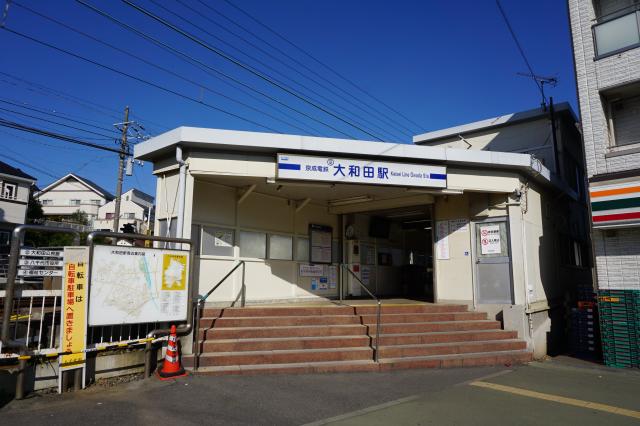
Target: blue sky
(437, 63)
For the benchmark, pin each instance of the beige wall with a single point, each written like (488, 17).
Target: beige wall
(266, 279)
(61, 195)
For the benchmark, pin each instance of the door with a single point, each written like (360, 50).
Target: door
(492, 261)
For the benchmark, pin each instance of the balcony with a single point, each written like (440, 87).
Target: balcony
(616, 33)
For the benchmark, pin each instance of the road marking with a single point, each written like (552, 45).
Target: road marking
(561, 399)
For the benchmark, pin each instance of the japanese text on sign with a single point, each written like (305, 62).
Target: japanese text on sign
(490, 239)
(73, 315)
(360, 171)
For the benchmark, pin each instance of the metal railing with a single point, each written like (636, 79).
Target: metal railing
(359, 281)
(199, 306)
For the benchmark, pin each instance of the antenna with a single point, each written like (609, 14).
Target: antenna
(541, 81)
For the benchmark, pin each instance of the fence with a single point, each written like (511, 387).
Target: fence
(31, 311)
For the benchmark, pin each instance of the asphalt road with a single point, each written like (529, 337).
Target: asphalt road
(415, 397)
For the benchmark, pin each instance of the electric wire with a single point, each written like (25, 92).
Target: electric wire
(209, 69)
(30, 166)
(139, 79)
(56, 123)
(31, 108)
(352, 83)
(244, 66)
(154, 65)
(42, 132)
(380, 116)
(342, 109)
(521, 50)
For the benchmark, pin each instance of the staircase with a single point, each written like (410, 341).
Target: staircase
(318, 339)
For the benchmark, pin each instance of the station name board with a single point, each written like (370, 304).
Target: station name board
(344, 170)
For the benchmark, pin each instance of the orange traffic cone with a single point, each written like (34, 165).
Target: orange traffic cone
(171, 367)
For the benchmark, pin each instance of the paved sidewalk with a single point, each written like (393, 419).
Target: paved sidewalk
(524, 395)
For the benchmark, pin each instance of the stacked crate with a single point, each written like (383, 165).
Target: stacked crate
(620, 327)
(584, 339)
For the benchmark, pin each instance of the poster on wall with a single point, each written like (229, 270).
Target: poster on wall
(458, 225)
(223, 238)
(320, 238)
(490, 239)
(311, 270)
(442, 239)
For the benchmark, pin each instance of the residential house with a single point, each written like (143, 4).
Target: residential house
(70, 194)
(15, 188)
(606, 47)
(136, 208)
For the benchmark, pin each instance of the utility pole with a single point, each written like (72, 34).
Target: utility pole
(124, 149)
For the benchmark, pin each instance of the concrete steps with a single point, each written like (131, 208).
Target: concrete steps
(311, 339)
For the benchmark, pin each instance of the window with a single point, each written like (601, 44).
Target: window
(74, 202)
(46, 202)
(9, 191)
(164, 232)
(280, 247)
(128, 215)
(217, 241)
(625, 121)
(109, 216)
(616, 34)
(96, 202)
(253, 244)
(302, 249)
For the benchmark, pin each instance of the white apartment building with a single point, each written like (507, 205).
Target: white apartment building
(15, 187)
(73, 193)
(136, 208)
(606, 45)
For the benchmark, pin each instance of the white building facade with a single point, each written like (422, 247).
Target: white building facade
(70, 194)
(434, 223)
(606, 45)
(136, 208)
(15, 188)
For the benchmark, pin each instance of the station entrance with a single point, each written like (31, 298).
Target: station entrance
(391, 251)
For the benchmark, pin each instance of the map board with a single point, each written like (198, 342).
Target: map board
(131, 285)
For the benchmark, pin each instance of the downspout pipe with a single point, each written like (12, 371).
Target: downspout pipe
(182, 179)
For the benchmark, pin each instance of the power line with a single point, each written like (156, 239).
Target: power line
(420, 128)
(54, 135)
(55, 122)
(30, 166)
(341, 108)
(57, 147)
(141, 80)
(205, 67)
(53, 115)
(381, 116)
(248, 68)
(152, 64)
(521, 50)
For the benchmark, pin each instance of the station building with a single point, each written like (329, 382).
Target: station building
(490, 214)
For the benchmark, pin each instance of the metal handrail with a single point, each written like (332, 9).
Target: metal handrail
(199, 305)
(359, 281)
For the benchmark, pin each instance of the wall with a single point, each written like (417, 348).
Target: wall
(62, 194)
(215, 206)
(617, 254)
(593, 77)
(15, 211)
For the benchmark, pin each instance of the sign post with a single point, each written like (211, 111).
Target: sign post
(73, 316)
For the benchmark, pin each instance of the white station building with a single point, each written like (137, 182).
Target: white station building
(430, 223)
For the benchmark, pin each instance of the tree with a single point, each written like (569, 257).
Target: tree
(35, 213)
(79, 217)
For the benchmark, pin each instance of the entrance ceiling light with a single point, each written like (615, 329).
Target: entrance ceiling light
(351, 200)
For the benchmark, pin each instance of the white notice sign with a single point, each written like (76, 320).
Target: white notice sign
(223, 238)
(490, 239)
(442, 239)
(458, 225)
(311, 270)
(332, 169)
